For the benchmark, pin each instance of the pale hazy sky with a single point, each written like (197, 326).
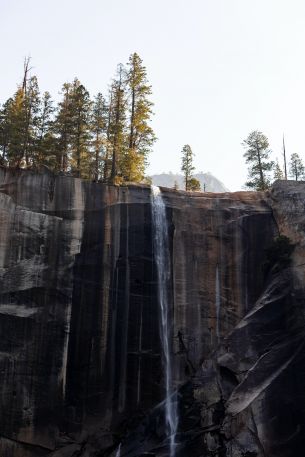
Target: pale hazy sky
(219, 68)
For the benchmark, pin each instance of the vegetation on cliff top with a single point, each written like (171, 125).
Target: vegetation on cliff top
(104, 138)
(260, 166)
(187, 167)
(107, 137)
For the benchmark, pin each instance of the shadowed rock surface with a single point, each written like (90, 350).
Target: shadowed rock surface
(80, 355)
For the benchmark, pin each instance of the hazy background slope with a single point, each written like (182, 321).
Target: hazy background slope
(211, 183)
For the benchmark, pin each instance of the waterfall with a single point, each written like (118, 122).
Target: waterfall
(162, 259)
(118, 452)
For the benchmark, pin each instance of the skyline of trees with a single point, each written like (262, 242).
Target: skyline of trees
(260, 167)
(107, 137)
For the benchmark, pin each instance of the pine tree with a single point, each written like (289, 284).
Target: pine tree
(15, 129)
(99, 117)
(277, 171)
(108, 143)
(117, 124)
(62, 128)
(187, 165)
(108, 139)
(80, 106)
(132, 166)
(141, 136)
(19, 121)
(296, 167)
(45, 153)
(31, 100)
(258, 157)
(5, 131)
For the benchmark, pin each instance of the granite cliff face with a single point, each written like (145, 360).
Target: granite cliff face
(80, 351)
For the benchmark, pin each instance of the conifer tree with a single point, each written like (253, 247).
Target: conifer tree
(277, 171)
(258, 157)
(31, 101)
(140, 134)
(117, 126)
(187, 166)
(99, 117)
(63, 128)
(45, 153)
(108, 143)
(132, 165)
(296, 167)
(5, 130)
(19, 121)
(105, 139)
(80, 106)
(15, 127)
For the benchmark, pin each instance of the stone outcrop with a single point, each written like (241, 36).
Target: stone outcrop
(80, 356)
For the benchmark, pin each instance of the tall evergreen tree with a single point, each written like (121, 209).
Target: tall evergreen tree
(99, 117)
(63, 128)
(187, 166)
(117, 127)
(277, 171)
(15, 127)
(45, 153)
(107, 139)
(108, 143)
(80, 130)
(19, 121)
(5, 131)
(31, 100)
(296, 167)
(257, 155)
(140, 134)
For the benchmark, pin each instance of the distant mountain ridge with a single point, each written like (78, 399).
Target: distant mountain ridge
(211, 183)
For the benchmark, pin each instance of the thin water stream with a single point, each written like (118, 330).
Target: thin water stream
(118, 452)
(162, 259)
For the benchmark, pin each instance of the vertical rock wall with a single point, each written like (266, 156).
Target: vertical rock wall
(80, 348)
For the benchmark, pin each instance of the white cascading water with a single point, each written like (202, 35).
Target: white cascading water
(162, 259)
(118, 452)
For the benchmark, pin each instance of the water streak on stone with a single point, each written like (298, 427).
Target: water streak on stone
(162, 259)
(118, 452)
(77, 227)
(217, 300)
